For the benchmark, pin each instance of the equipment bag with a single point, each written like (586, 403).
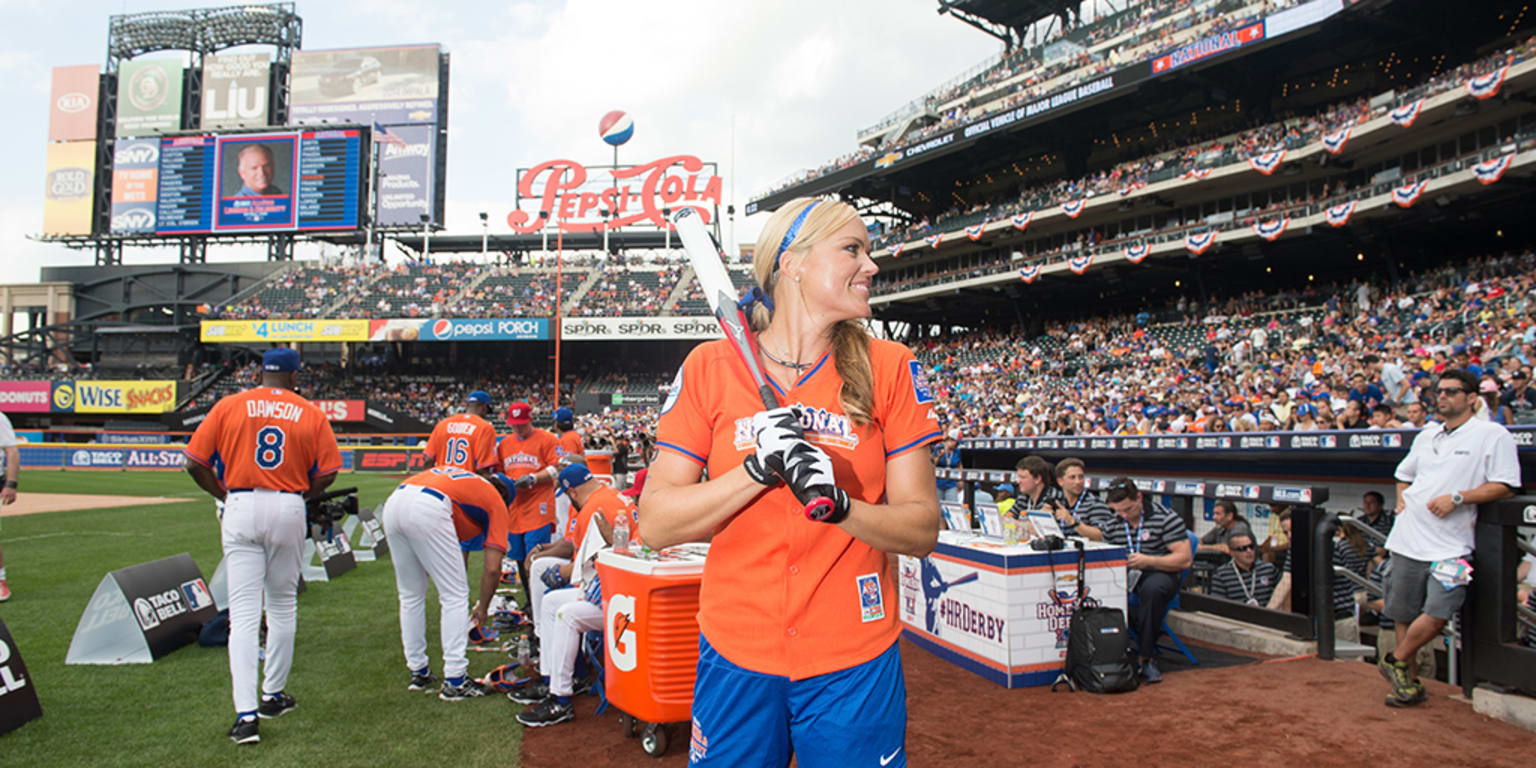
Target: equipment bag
(1098, 648)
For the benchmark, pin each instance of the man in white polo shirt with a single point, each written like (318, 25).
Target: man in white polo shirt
(1453, 466)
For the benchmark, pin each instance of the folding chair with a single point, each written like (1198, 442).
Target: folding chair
(592, 651)
(1178, 644)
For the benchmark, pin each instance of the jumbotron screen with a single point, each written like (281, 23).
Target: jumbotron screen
(257, 182)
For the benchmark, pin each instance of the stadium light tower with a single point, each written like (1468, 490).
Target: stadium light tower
(485, 234)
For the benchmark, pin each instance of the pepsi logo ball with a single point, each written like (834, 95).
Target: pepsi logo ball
(441, 329)
(616, 127)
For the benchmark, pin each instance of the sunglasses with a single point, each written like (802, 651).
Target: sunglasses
(1447, 392)
(1243, 548)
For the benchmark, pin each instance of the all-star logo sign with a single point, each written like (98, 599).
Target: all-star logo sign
(1267, 162)
(1271, 230)
(1073, 208)
(1334, 142)
(1080, 264)
(1407, 113)
(1021, 220)
(1135, 254)
(1487, 86)
(633, 195)
(1338, 215)
(1408, 194)
(1490, 171)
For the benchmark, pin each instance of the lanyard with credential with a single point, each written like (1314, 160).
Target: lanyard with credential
(1247, 588)
(1134, 545)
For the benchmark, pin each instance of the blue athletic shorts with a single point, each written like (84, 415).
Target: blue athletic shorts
(856, 716)
(520, 544)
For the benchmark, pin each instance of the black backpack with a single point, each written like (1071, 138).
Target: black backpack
(1098, 647)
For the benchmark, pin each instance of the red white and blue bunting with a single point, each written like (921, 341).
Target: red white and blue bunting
(974, 233)
(1135, 254)
(1079, 264)
(1197, 173)
(1267, 162)
(1487, 86)
(1073, 208)
(1338, 215)
(1129, 188)
(896, 249)
(1021, 220)
(1489, 171)
(933, 240)
(1271, 230)
(1408, 194)
(1407, 113)
(1198, 244)
(1334, 142)
(1028, 274)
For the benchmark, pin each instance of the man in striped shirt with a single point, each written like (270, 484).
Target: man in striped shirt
(1244, 578)
(1157, 551)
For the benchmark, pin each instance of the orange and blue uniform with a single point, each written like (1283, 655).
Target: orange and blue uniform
(784, 597)
(570, 444)
(479, 516)
(609, 503)
(462, 440)
(533, 511)
(266, 437)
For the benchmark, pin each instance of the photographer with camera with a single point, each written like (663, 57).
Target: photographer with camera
(275, 449)
(425, 520)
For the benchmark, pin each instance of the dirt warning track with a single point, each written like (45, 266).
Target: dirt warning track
(34, 503)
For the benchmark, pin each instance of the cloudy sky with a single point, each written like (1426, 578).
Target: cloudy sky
(531, 79)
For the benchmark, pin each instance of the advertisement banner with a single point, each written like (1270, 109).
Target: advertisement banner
(1302, 15)
(71, 168)
(460, 329)
(148, 97)
(135, 185)
(374, 460)
(113, 396)
(123, 458)
(1210, 46)
(18, 697)
(365, 85)
(638, 328)
(25, 396)
(406, 174)
(246, 331)
(235, 90)
(72, 103)
(143, 612)
(341, 410)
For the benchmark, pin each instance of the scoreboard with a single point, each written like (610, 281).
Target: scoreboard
(261, 182)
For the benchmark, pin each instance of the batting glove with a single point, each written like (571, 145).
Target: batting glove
(527, 481)
(808, 472)
(552, 578)
(773, 432)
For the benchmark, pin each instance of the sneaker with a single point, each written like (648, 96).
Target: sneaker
(5, 591)
(547, 712)
(1149, 672)
(531, 692)
(275, 706)
(1416, 697)
(1396, 672)
(423, 681)
(471, 688)
(245, 732)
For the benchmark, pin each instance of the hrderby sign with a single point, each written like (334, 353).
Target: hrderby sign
(634, 195)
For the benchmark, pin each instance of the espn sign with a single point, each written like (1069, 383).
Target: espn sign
(341, 410)
(399, 461)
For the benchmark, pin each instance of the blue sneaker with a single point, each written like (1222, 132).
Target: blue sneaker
(1149, 673)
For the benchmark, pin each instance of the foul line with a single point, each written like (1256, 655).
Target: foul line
(71, 533)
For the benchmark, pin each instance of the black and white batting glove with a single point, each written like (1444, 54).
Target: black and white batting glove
(808, 472)
(527, 481)
(774, 432)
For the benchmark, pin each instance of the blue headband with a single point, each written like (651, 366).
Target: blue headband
(794, 229)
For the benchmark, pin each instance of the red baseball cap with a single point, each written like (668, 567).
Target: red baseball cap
(633, 491)
(519, 413)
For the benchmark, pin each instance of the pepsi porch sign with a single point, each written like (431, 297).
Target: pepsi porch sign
(142, 612)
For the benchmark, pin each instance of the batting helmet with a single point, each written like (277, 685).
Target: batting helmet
(502, 678)
(479, 635)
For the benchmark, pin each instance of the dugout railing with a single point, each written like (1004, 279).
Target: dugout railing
(1492, 621)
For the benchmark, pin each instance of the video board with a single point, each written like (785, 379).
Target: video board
(257, 182)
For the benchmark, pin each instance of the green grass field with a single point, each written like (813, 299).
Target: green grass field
(348, 675)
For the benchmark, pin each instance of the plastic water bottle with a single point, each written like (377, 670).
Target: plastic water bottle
(621, 534)
(522, 651)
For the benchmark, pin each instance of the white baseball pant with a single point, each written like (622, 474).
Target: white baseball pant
(565, 615)
(536, 588)
(562, 514)
(418, 523)
(263, 534)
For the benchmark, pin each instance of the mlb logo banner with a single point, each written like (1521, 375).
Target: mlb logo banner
(1135, 254)
(1408, 194)
(1073, 208)
(1021, 220)
(1334, 142)
(1490, 171)
(1271, 230)
(974, 233)
(1407, 113)
(1198, 244)
(1267, 162)
(1338, 215)
(1487, 86)
(1079, 264)
(1028, 274)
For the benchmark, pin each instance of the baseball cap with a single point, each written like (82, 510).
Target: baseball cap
(479, 396)
(506, 486)
(639, 485)
(1004, 488)
(573, 475)
(1488, 385)
(280, 360)
(519, 413)
(564, 415)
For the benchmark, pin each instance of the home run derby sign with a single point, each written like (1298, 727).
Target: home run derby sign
(142, 612)
(577, 197)
(18, 699)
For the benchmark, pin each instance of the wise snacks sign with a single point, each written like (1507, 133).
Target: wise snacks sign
(88, 396)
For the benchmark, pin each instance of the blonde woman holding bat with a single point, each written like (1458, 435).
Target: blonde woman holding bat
(797, 610)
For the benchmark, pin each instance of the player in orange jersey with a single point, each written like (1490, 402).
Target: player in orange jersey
(529, 457)
(425, 521)
(260, 453)
(798, 649)
(589, 496)
(569, 445)
(465, 440)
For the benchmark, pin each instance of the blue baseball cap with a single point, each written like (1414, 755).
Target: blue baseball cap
(506, 486)
(564, 415)
(280, 360)
(573, 475)
(479, 396)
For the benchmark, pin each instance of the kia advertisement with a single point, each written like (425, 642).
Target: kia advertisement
(25, 396)
(72, 103)
(460, 329)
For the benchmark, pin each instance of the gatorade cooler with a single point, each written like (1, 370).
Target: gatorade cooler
(651, 639)
(600, 464)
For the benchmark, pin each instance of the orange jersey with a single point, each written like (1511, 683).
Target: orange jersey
(477, 505)
(605, 500)
(462, 440)
(534, 507)
(266, 437)
(783, 595)
(570, 444)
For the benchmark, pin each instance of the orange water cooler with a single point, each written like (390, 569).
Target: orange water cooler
(600, 464)
(651, 639)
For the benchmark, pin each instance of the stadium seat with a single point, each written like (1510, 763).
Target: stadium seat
(1178, 644)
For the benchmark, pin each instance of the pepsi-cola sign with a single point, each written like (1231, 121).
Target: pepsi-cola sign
(565, 193)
